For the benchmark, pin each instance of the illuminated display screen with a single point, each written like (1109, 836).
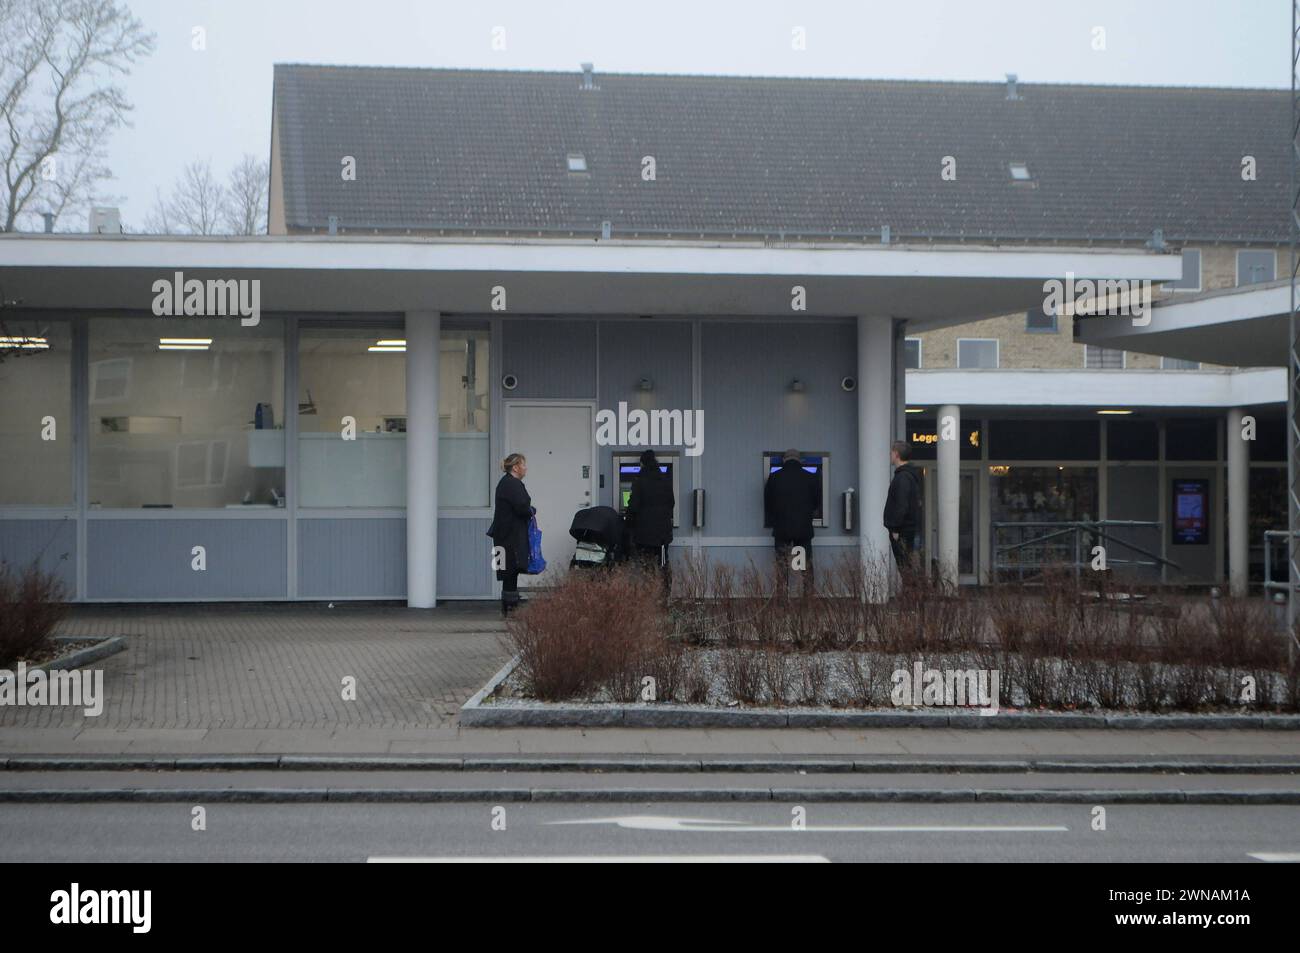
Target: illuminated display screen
(1191, 502)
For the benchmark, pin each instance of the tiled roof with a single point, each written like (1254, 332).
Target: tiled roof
(485, 150)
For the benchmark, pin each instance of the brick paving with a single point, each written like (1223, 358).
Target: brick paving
(280, 667)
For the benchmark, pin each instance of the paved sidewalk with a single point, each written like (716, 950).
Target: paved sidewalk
(188, 670)
(267, 679)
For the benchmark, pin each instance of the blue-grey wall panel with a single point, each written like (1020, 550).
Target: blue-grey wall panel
(352, 558)
(51, 543)
(661, 351)
(747, 368)
(151, 559)
(551, 357)
(465, 559)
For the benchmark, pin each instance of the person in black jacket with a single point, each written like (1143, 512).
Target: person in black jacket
(903, 507)
(509, 528)
(650, 516)
(792, 499)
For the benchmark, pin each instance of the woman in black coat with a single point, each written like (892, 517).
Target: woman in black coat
(509, 528)
(650, 513)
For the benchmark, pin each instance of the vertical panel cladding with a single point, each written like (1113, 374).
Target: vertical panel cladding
(1133, 493)
(152, 559)
(352, 558)
(747, 369)
(552, 358)
(657, 349)
(465, 559)
(50, 543)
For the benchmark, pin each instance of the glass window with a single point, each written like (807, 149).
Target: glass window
(977, 352)
(1047, 438)
(186, 412)
(36, 425)
(359, 372)
(352, 415)
(1041, 320)
(1192, 439)
(1102, 358)
(1255, 266)
(1179, 364)
(1191, 279)
(1133, 440)
(1039, 495)
(912, 354)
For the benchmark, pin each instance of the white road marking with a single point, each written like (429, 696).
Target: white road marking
(1268, 858)
(659, 823)
(644, 859)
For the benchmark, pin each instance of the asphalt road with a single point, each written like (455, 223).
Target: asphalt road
(834, 832)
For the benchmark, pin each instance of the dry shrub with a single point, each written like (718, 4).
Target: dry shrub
(742, 673)
(593, 631)
(31, 605)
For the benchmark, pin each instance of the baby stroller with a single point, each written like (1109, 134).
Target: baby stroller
(599, 532)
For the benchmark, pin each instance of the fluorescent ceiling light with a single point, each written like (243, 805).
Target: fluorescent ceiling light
(916, 410)
(184, 344)
(1117, 413)
(24, 343)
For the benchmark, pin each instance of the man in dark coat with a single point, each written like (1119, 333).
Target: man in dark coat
(650, 516)
(509, 529)
(792, 499)
(903, 507)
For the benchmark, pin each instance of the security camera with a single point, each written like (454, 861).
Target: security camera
(510, 382)
(849, 383)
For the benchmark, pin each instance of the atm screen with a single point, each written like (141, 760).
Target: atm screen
(811, 465)
(627, 498)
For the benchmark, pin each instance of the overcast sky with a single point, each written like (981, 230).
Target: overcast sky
(216, 103)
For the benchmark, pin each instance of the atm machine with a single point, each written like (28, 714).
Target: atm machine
(628, 465)
(816, 463)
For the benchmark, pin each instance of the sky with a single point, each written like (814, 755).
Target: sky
(215, 103)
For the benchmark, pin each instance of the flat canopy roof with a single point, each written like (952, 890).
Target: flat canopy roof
(929, 285)
(1244, 327)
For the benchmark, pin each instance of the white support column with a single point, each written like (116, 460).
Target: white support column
(875, 429)
(1238, 505)
(948, 492)
(422, 335)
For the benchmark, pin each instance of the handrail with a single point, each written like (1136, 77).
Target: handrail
(1098, 529)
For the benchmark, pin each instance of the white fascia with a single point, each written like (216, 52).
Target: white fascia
(424, 254)
(1096, 388)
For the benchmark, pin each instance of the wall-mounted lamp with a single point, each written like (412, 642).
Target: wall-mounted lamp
(645, 383)
(796, 386)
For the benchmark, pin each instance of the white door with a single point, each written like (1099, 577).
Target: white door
(558, 441)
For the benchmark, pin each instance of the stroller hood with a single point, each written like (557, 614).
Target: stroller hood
(598, 524)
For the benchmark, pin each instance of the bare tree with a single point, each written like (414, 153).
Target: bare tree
(56, 102)
(198, 204)
(247, 190)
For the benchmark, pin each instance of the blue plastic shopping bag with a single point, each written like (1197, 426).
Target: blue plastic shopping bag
(536, 564)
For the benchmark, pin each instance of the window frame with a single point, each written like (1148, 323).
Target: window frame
(997, 354)
(1244, 251)
(920, 353)
(1200, 272)
(1123, 358)
(1056, 322)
